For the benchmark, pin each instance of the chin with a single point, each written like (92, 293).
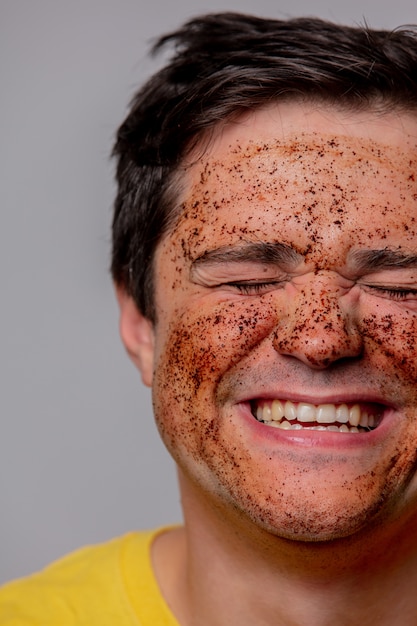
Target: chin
(309, 525)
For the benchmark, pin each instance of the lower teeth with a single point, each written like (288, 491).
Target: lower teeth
(343, 428)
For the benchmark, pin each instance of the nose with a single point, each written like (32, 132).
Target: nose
(317, 329)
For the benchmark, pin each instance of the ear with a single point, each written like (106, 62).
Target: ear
(137, 334)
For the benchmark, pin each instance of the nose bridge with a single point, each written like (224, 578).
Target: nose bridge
(318, 328)
(319, 300)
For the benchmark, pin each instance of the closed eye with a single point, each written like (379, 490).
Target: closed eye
(254, 288)
(395, 293)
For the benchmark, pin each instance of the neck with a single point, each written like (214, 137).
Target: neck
(256, 577)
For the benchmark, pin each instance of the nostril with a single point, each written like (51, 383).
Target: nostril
(318, 341)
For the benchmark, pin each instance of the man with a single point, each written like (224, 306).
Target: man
(265, 262)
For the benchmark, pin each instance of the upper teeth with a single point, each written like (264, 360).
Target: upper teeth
(342, 416)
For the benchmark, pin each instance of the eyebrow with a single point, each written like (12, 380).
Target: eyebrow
(282, 254)
(255, 252)
(387, 258)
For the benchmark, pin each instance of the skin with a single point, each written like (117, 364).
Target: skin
(322, 325)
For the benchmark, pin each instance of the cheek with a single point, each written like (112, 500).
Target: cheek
(198, 350)
(391, 342)
(201, 346)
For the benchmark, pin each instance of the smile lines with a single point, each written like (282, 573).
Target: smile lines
(330, 417)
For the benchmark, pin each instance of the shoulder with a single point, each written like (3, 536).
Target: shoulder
(88, 584)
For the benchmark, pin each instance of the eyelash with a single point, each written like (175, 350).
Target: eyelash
(253, 288)
(395, 294)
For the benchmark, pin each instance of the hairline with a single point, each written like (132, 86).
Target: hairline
(200, 145)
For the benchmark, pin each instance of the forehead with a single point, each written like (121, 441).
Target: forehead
(304, 175)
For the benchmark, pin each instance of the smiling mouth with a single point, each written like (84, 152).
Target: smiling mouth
(343, 418)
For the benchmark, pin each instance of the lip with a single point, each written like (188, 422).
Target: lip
(317, 438)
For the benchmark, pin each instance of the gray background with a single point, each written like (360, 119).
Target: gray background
(80, 460)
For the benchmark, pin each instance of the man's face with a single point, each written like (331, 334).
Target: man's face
(285, 359)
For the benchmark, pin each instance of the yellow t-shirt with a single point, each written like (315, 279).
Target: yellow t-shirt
(111, 584)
